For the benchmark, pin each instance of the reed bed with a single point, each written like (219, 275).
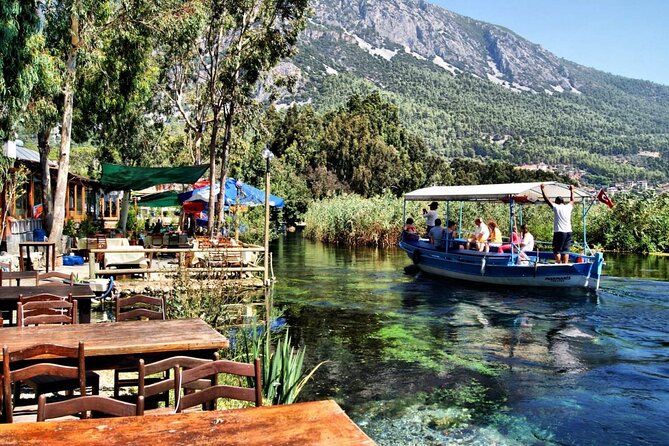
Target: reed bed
(355, 221)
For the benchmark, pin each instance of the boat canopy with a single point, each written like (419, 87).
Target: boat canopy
(520, 192)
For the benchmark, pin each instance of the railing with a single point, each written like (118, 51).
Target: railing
(218, 260)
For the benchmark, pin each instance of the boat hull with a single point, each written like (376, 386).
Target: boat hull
(498, 269)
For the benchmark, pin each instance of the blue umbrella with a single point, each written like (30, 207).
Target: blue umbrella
(234, 191)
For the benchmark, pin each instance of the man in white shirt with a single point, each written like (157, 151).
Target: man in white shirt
(561, 224)
(480, 236)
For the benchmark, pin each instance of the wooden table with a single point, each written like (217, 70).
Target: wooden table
(110, 345)
(302, 424)
(48, 246)
(9, 296)
(18, 276)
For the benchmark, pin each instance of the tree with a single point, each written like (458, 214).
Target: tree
(18, 44)
(41, 118)
(240, 41)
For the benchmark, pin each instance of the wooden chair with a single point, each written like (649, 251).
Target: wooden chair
(135, 308)
(46, 309)
(94, 403)
(186, 377)
(55, 278)
(43, 377)
(139, 307)
(157, 388)
(100, 242)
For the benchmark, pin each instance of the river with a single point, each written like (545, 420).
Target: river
(427, 361)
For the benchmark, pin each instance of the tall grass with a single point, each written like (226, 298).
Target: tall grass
(355, 221)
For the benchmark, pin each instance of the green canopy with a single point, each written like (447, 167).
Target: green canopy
(117, 177)
(160, 200)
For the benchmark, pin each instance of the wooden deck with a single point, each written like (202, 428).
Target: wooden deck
(317, 423)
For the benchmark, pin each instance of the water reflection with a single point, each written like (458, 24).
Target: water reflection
(564, 367)
(638, 266)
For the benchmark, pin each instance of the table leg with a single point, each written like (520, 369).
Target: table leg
(21, 265)
(84, 306)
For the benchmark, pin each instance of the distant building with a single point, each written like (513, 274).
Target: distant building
(84, 198)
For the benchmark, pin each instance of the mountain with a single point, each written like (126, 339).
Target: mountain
(473, 89)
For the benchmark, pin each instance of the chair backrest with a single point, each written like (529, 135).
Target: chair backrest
(5, 266)
(140, 306)
(55, 278)
(188, 376)
(45, 351)
(46, 309)
(157, 241)
(174, 364)
(92, 403)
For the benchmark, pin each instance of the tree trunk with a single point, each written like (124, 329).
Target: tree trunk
(47, 193)
(198, 146)
(212, 175)
(125, 207)
(224, 164)
(65, 136)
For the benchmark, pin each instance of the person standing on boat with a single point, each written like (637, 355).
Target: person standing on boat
(561, 224)
(430, 216)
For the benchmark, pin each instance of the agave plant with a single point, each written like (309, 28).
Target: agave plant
(283, 376)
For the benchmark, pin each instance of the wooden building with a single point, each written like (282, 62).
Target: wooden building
(84, 199)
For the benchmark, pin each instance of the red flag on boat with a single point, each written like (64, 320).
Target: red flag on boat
(604, 198)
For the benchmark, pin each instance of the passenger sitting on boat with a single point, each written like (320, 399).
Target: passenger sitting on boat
(527, 243)
(495, 239)
(480, 236)
(450, 234)
(409, 226)
(430, 216)
(436, 234)
(410, 231)
(515, 240)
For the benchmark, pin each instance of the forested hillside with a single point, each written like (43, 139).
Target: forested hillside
(612, 127)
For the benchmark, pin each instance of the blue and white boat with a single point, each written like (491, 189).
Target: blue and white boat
(537, 268)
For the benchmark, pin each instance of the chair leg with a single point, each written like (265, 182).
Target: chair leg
(93, 380)
(116, 386)
(17, 393)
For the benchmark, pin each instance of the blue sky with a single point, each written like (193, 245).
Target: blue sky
(625, 37)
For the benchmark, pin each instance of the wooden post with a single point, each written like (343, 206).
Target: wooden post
(91, 265)
(266, 264)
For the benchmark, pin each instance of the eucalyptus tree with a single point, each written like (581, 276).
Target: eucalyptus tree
(116, 87)
(41, 117)
(239, 41)
(71, 27)
(19, 40)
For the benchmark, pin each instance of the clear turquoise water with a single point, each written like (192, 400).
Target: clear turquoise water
(427, 361)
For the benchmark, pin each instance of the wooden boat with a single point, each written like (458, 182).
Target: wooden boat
(535, 269)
